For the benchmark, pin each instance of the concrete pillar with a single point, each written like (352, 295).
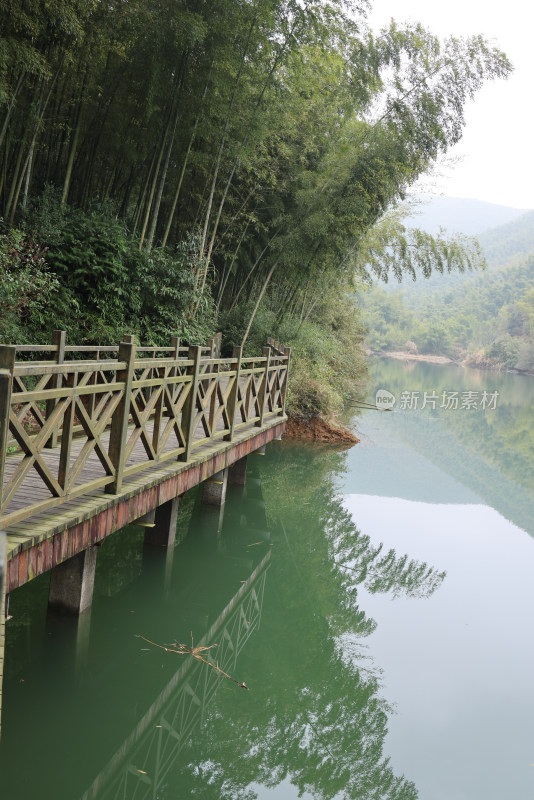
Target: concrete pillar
(72, 583)
(162, 532)
(3, 563)
(237, 473)
(261, 450)
(214, 493)
(83, 639)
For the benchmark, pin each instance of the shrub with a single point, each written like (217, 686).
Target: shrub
(26, 286)
(108, 287)
(327, 360)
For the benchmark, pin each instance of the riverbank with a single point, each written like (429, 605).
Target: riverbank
(470, 362)
(402, 355)
(319, 430)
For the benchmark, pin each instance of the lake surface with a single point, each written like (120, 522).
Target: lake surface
(377, 602)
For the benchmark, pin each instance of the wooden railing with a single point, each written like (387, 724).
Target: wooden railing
(144, 406)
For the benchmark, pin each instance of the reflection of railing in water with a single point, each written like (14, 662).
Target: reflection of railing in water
(144, 759)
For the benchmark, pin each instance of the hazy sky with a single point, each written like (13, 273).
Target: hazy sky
(497, 148)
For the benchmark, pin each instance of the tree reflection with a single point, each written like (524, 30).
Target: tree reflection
(313, 717)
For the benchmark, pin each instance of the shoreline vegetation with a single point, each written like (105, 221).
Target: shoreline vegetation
(467, 363)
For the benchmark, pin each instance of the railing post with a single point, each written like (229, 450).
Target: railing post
(211, 344)
(66, 435)
(121, 415)
(58, 339)
(287, 352)
(266, 351)
(237, 355)
(188, 413)
(7, 366)
(175, 371)
(213, 400)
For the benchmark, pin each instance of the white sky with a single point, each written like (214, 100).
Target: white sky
(497, 148)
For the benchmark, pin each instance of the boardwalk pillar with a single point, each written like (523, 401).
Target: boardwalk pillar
(237, 473)
(214, 493)
(163, 533)
(2, 613)
(72, 582)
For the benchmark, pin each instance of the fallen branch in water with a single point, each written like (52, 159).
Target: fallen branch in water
(183, 649)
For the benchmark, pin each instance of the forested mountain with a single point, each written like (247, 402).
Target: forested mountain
(168, 167)
(487, 318)
(515, 239)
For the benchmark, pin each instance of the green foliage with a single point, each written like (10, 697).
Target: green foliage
(107, 286)
(503, 352)
(169, 297)
(223, 157)
(26, 286)
(488, 319)
(327, 360)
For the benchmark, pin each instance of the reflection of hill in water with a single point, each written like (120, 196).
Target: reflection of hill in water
(486, 454)
(401, 472)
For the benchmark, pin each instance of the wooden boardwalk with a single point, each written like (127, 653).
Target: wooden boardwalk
(89, 445)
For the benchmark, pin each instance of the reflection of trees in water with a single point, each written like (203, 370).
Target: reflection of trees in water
(491, 452)
(363, 563)
(313, 717)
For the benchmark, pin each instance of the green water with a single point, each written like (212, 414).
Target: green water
(377, 603)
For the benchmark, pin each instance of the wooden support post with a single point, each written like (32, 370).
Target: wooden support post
(72, 583)
(189, 409)
(119, 422)
(237, 472)
(3, 564)
(264, 385)
(211, 344)
(287, 352)
(214, 493)
(91, 400)
(175, 343)
(234, 392)
(213, 399)
(7, 365)
(163, 533)
(58, 339)
(66, 438)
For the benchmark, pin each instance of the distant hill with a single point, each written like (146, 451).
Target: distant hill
(461, 215)
(508, 243)
(514, 239)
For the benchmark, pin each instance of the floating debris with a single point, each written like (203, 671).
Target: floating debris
(182, 649)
